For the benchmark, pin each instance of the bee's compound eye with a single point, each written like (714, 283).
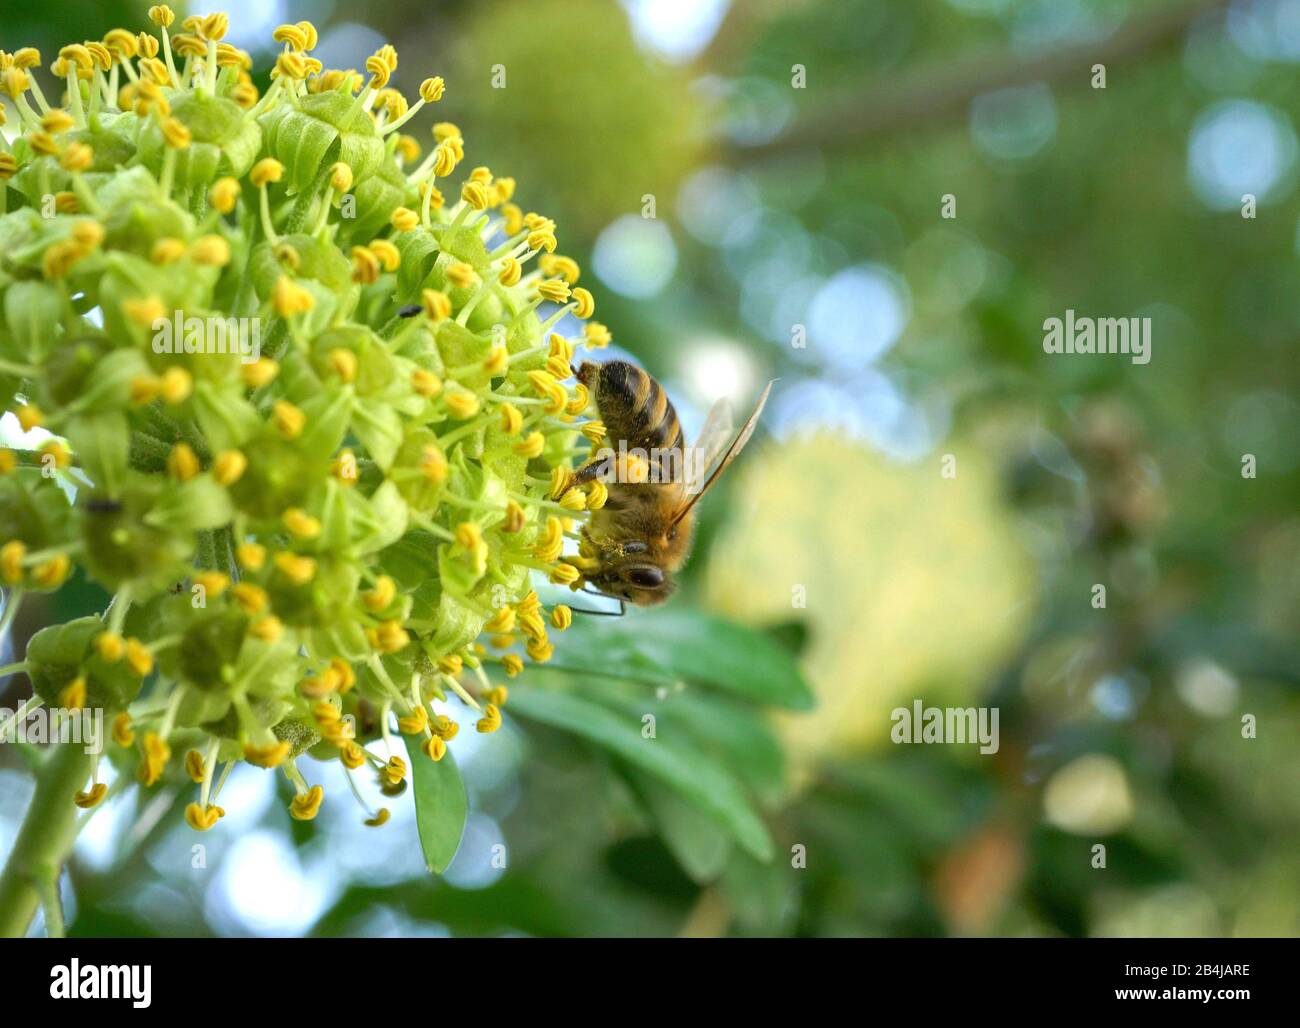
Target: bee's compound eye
(646, 576)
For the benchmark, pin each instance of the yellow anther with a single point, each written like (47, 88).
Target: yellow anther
(340, 177)
(175, 134)
(29, 417)
(561, 267)
(182, 462)
(214, 582)
(564, 573)
(268, 628)
(597, 495)
(461, 403)
(144, 312)
(365, 265)
(250, 597)
(167, 250)
(437, 304)
(433, 465)
(251, 556)
(259, 373)
(73, 695)
(390, 637)
(306, 806)
(352, 755)
(514, 521)
(92, 797)
(502, 621)
(512, 421)
(404, 219)
(212, 251)
(388, 254)
(497, 361)
(266, 171)
(512, 664)
(176, 385)
(289, 420)
(491, 719)
(138, 658)
(271, 755)
(229, 467)
(475, 194)
(224, 194)
(393, 773)
(551, 542)
(381, 596)
(511, 272)
(298, 569)
(469, 536)
(59, 455)
(460, 275)
(379, 820)
(554, 289)
(77, 157)
(548, 387)
(156, 755)
(431, 90)
(289, 298)
(561, 616)
(122, 734)
(413, 723)
(300, 523)
(598, 336)
(202, 818)
(426, 383)
(435, 748)
(531, 445)
(194, 766)
(291, 35)
(12, 555)
(539, 651)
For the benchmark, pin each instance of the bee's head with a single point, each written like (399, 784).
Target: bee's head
(635, 581)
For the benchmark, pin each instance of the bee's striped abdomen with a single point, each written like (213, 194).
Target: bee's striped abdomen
(633, 406)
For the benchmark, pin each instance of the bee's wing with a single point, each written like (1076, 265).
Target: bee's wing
(730, 454)
(713, 438)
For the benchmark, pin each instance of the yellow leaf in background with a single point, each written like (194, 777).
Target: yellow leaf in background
(915, 586)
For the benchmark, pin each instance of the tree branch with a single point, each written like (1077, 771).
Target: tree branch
(930, 97)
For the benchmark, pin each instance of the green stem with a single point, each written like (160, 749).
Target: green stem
(44, 840)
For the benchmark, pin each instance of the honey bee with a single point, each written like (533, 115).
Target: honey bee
(634, 544)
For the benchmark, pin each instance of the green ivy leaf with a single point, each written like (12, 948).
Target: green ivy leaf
(441, 805)
(693, 776)
(667, 646)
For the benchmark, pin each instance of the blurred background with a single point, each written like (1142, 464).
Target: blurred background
(796, 157)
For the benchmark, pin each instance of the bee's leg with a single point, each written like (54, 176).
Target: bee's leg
(587, 473)
(622, 609)
(622, 606)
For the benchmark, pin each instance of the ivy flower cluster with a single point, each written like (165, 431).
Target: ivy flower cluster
(310, 541)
